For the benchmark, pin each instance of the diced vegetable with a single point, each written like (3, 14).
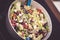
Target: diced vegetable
(14, 16)
(19, 33)
(30, 27)
(40, 37)
(18, 18)
(30, 11)
(39, 10)
(25, 25)
(27, 7)
(18, 4)
(47, 28)
(21, 27)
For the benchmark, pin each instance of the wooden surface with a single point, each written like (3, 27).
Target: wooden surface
(53, 9)
(56, 0)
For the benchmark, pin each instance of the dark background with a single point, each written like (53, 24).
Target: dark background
(4, 34)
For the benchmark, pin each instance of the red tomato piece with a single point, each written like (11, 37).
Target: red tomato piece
(39, 10)
(25, 26)
(30, 11)
(14, 25)
(13, 22)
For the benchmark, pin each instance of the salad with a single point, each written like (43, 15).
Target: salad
(29, 23)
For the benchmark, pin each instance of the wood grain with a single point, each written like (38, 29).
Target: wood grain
(53, 9)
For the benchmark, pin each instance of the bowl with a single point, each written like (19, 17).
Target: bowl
(36, 5)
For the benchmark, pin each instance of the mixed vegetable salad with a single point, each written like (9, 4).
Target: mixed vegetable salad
(30, 23)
